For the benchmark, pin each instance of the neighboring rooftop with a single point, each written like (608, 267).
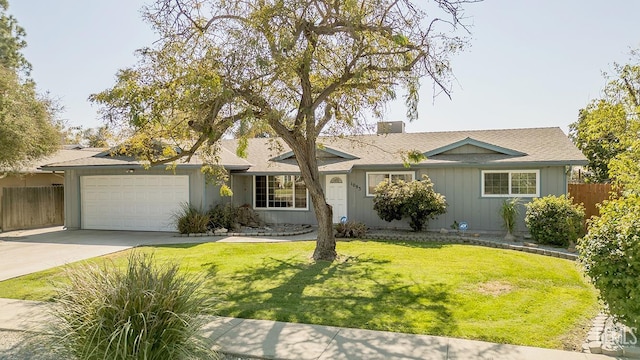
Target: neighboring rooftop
(66, 153)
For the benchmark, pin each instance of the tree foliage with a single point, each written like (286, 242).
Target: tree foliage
(304, 68)
(12, 42)
(26, 119)
(611, 249)
(610, 254)
(26, 128)
(99, 137)
(415, 200)
(174, 94)
(608, 127)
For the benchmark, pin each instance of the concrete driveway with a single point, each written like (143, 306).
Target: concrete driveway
(27, 251)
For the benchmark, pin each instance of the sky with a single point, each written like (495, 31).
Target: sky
(529, 63)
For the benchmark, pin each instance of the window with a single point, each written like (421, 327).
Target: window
(375, 178)
(501, 183)
(280, 192)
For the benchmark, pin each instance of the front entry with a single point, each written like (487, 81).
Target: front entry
(337, 196)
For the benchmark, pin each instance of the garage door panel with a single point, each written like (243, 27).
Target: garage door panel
(132, 202)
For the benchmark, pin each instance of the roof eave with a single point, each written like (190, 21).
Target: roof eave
(509, 164)
(127, 166)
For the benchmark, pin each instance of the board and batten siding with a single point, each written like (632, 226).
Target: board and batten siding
(212, 195)
(462, 190)
(72, 196)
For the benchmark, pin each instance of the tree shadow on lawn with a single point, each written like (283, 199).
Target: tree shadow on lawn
(352, 292)
(419, 244)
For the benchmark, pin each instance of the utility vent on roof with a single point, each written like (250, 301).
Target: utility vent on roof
(390, 127)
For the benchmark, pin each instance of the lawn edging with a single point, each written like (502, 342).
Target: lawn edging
(303, 229)
(459, 239)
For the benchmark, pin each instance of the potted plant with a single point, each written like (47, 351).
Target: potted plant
(509, 213)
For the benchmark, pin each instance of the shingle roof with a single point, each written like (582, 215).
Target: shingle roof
(539, 146)
(62, 155)
(105, 159)
(510, 147)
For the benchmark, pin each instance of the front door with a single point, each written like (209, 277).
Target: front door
(337, 196)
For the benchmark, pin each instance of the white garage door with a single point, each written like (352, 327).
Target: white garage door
(132, 202)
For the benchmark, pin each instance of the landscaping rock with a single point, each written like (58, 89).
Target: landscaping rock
(612, 351)
(248, 217)
(221, 231)
(594, 337)
(595, 347)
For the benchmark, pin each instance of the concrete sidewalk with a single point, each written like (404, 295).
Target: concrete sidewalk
(287, 341)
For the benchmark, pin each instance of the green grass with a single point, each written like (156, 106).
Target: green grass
(453, 290)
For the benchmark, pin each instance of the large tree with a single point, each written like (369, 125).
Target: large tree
(609, 252)
(27, 130)
(99, 137)
(608, 127)
(12, 42)
(304, 67)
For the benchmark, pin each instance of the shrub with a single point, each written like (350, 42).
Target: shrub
(223, 216)
(191, 220)
(610, 254)
(509, 213)
(142, 311)
(555, 220)
(351, 229)
(415, 200)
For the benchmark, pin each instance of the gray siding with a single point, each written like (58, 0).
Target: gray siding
(72, 197)
(243, 194)
(242, 187)
(213, 197)
(462, 190)
(460, 186)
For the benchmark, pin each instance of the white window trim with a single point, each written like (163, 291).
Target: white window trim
(277, 208)
(412, 173)
(510, 172)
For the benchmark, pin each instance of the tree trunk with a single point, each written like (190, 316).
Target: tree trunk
(305, 153)
(326, 242)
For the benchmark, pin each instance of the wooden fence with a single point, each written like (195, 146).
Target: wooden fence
(590, 195)
(32, 207)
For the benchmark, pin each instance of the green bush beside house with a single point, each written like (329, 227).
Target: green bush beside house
(415, 200)
(555, 220)
(610, 254)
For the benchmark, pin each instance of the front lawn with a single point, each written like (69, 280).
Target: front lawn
(424, 288)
